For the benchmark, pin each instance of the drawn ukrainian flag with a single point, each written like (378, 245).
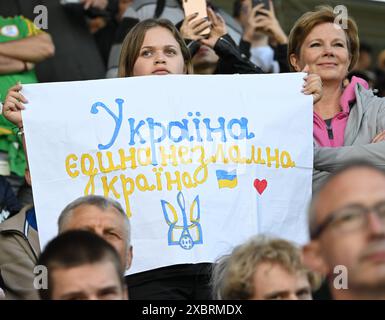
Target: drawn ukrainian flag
(227, 179)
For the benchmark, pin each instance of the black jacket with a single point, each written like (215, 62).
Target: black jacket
(231, 61)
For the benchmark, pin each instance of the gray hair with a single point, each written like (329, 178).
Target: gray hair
(100, 202)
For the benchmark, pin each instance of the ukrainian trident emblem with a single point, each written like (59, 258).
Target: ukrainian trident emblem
(184, 227)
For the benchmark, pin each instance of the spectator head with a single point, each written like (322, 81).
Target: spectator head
(82, 266)
(317, 41)
(154, 47)
(364, 61)
(263, 269)
(103, 216)
(347, 228)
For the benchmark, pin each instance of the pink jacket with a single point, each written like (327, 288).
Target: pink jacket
(320, 132)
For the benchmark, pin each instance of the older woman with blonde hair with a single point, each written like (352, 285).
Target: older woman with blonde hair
(349, 120)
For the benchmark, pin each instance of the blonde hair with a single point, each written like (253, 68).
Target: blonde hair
(308, 21)
(232, 276)
(133, 42)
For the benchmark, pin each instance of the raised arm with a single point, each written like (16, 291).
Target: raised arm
(13, 104)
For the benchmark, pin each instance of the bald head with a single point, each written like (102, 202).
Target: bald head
(102, 216)
(356, 183)
(347, 222)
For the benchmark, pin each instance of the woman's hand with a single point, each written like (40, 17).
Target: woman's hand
(218, 29)
(312, 85)
(13, 105)
(191, 29)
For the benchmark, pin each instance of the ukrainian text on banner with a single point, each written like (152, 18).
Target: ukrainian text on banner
(199, 163)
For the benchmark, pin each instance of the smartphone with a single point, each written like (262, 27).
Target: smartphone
(193, 6)
(265, 2)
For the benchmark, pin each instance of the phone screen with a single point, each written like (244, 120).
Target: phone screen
(193, 6)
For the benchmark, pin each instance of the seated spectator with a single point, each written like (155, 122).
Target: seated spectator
(364, 61)
(81, 266)
(347, 229)
(349, 123)
(22, 46)
(263, 269)
(68, 28)
(20, 248)
(102, 216)
(263, 40)
(9, 204)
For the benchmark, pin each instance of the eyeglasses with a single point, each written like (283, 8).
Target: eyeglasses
(351, 218)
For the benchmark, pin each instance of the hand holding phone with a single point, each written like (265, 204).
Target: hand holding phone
(198, 7)
(265, 20)
(218, 29)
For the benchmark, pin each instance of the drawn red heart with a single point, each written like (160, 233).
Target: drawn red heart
(260, 185)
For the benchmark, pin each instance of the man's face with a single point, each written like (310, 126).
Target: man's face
(360, 247)
(108, 224)
(272, 281)
(98, 281)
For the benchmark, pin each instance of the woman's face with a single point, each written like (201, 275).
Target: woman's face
(160, 54)
(325, 51)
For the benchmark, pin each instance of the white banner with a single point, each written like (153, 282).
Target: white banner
(199, 163)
